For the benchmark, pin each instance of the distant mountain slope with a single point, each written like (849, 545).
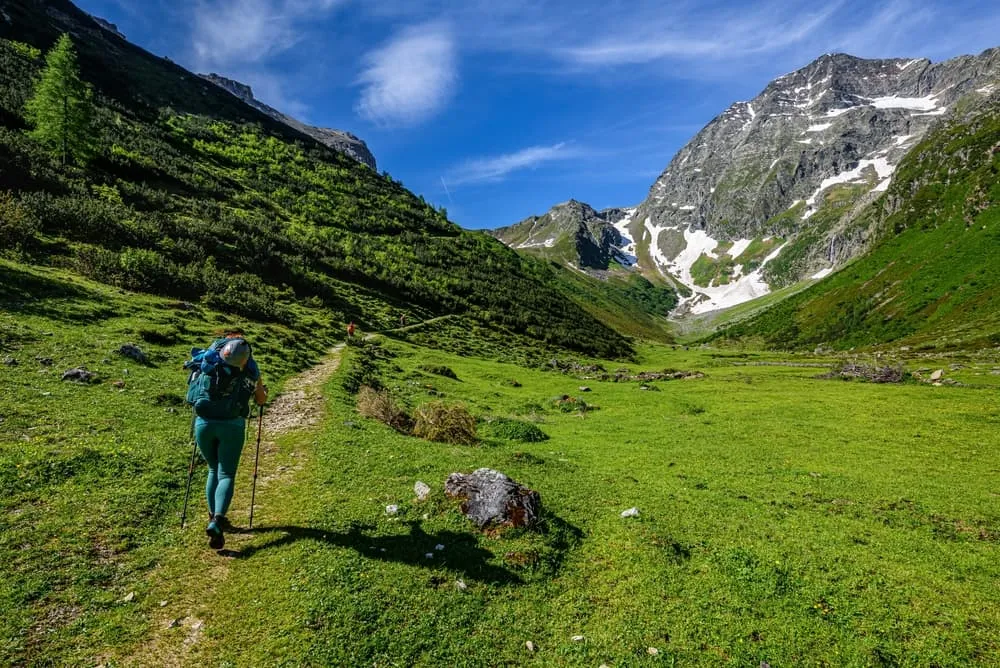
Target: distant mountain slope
(769, 191)
(572, 233)
(792, 167)
(197, 195)
(933, 279)
(598, 266)
(338, 140)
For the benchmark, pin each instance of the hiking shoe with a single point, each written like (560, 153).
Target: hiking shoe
(216, 539)
(223, 523)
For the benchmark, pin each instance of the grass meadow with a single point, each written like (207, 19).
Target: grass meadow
(783, 519)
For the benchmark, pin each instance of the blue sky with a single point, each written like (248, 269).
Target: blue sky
(498, 109)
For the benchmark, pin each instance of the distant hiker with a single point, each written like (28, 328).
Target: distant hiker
(223, 379)
(402, 320)
(350, 330)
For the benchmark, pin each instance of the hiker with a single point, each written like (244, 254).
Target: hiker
(350, 330)
(402, 320)
(224, 378)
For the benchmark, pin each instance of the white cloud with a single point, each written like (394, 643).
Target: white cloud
(660, 35)
(495, 168)
(233, 32)
(410, 78)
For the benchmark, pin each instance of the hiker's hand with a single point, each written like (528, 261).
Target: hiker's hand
(260, 393)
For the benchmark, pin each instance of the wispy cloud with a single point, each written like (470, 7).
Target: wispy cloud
(236, 32)
(727, 36)
(410, 78)
(496, 168)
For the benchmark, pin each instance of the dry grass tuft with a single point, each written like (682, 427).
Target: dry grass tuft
(445, 423)
(380, 405)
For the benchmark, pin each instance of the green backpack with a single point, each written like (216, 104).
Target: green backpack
(218, 391)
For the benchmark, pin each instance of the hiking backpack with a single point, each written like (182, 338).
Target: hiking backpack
(216, 390)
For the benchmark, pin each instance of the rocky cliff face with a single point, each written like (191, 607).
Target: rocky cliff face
(338, 140)
(770, 191)
(573, 233)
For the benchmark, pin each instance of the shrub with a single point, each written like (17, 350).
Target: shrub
(380, 405)
(438, 370)
(445, 423)
(18, 224)
(513, 430)
(568, 404)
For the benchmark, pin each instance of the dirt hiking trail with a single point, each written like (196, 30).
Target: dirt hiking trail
(194, 573)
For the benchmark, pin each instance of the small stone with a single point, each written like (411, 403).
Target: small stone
(45, 361)
(937, 374)
(79, 375)
(530, 645)
(429, 555)
(439, 547)
(46, 394)
(163, 604)
(577, 638)
(584, 388)
(631, 512)
(198, 624)
(129, 597)
(133, 352)
(652, 651)
(391, 509)
(381, 549)
(173, 623)
(10, 361)
(422, 490)
(460, 585)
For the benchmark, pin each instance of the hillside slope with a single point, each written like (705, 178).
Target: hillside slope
(198, 196)
(933, 280)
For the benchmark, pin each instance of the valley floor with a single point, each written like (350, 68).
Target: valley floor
(783, 519)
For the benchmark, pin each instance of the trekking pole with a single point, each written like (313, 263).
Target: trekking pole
(194, 450)
(253, 494)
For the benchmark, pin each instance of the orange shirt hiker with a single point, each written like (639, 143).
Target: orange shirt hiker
(350, 329)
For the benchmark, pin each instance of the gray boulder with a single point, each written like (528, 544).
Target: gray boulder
(133, 352)
(491, 499)
(79, 375)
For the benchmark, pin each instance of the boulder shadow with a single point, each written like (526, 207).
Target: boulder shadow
(460, 551)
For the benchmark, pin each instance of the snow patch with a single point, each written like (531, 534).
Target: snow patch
(903, 66)
(915, 103)
(986, 90)
(882, 168)
(902, 140)
(739, 246)
(548, 243)
(823, 273)
(626, 253)
(746, 288)
(819, 127)
(687, 207)
(804, 141)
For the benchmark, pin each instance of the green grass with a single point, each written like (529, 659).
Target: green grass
(782, 519)
(92, 476)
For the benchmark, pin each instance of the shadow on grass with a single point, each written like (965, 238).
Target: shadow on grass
(460, 549)
(32, 294)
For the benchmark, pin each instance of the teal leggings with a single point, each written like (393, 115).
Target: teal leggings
(221, 443)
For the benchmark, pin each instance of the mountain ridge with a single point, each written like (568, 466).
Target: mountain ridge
(769, 192)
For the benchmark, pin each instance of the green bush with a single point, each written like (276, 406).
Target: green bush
(512, 430)
(438, 370)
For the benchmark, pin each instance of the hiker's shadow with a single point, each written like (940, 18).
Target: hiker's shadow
(459, 551)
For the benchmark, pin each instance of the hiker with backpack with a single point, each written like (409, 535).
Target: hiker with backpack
(224, 377)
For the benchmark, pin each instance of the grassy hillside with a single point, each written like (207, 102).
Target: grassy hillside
(197, 196)
(932, 280)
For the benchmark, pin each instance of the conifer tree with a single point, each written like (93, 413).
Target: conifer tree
(62, 108)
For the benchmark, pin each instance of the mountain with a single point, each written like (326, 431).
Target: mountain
(338, 140)
(572, 233)
(931, 280)
(197, 196)
(770, 191)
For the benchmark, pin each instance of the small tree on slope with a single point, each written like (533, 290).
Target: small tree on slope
(61, 108)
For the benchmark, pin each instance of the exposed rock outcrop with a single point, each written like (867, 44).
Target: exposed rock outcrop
(338, 140)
